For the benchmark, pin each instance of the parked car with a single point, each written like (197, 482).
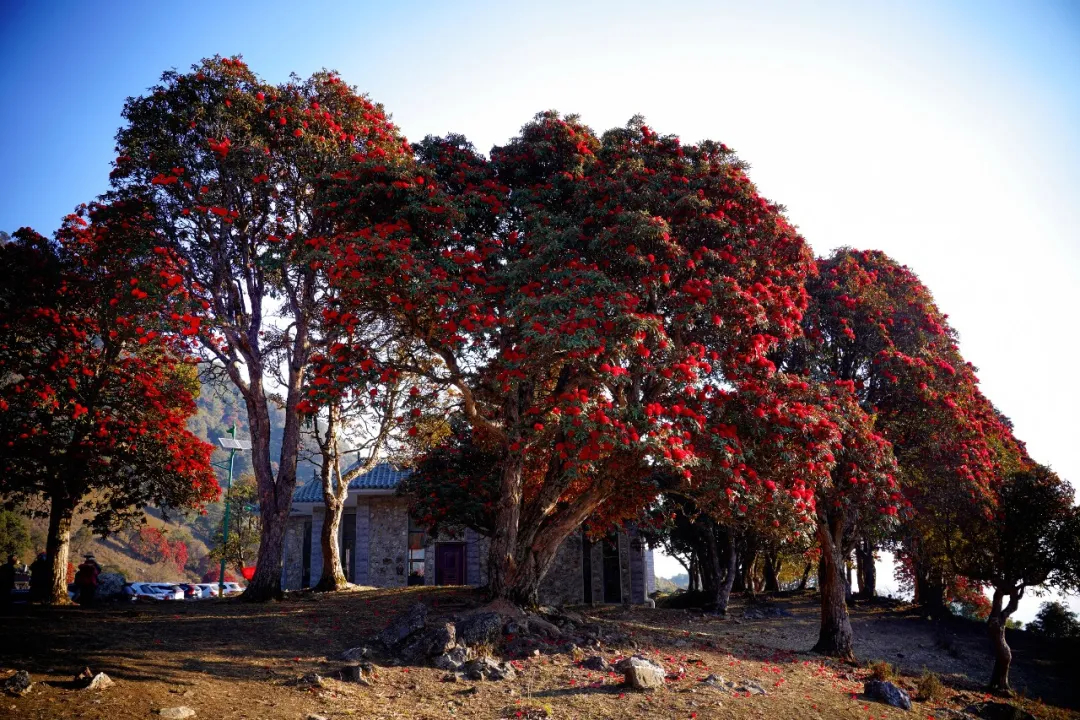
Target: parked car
(193, 591)
(210, 589)
(153, 591)
(232, 588)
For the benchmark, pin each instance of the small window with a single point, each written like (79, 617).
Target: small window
(417, 541)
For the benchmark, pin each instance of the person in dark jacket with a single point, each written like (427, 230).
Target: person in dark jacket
(39, 578)
(7, 580)
(86, 578)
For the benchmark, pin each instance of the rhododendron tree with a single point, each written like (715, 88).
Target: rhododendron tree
(95, 389)
(873, 323)
(234, 168)
(571, 292)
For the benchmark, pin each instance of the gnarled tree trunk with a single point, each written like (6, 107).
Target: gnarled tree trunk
(996, 623)
(805, 576)
(335, 492)
(502, 557)
(835, 637)
(57, 547)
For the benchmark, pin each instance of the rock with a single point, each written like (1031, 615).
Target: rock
(765, 612)
(516, 627)
(101, 681)
(402, 627)
(641, 673)
(479, 629)
(887, 693)
(997, 711)
(453, 677)
(181, 712)
(597, 663)
(110, 585)
(310, 680)
(18, 684)
(718, 682)
(539, 625)
(357, 653)
(749, 686)
(433, 641)
(485, 668)
(361, 673)
(453, 658)
(313, 716)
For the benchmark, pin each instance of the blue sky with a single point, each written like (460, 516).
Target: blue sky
(941, 133)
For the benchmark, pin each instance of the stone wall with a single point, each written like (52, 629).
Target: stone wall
(292, 561)
(564, 583)
(389, 541)
(363, 541)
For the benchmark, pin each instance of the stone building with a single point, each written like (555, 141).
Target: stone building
(382, 546)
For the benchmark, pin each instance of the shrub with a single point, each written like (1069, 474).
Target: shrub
(929, 687)
(881, 670)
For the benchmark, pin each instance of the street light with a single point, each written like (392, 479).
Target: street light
(233, 446)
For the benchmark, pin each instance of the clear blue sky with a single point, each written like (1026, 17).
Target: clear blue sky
(945, 134)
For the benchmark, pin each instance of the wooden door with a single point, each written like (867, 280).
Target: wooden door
(450, 564)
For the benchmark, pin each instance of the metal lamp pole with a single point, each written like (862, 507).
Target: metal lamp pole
(233, 446)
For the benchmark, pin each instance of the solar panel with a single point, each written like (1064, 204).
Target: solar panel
(231, 444)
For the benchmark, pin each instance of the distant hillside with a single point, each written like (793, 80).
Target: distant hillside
(682, 580)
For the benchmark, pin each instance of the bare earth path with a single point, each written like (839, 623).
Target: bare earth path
(229, 660)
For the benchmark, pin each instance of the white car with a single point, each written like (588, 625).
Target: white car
(209, 590)
(153, 591)
(232, 588)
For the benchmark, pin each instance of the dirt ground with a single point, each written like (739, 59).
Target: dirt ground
(227, 659)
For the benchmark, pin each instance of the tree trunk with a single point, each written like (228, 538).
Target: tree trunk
(729, 577)
(57, 547)
(835, 637)
(805, 576)
(999, 616)
(333, 576)
(748, 572)
(930, 591)
(335, 492)
(864, 554)
(502, 562)
(693, 584)
(772, 570)
(739, 582)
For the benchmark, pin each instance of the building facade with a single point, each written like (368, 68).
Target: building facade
(382, 547)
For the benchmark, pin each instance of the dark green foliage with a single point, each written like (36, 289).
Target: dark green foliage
(1056, 621)
(14, 535)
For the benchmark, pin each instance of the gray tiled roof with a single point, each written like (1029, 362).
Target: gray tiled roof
(383, 476)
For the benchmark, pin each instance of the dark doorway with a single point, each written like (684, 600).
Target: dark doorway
(612, 571)
(450, 564)
(348, 545)
(305, 579)
(586, 567)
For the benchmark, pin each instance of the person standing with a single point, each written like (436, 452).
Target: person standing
(7, 581)
(86, 578)
(39, 578)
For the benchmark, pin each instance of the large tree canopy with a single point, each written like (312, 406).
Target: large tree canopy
(573, 292)
(96, 389)
(233, 167)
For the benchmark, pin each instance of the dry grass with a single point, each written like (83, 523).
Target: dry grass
(929, 688)
(229, 660)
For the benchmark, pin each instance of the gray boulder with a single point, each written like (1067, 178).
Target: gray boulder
(453, 658)
(596, 663)
(641, 673)
(101, 681)
(18, 684)
(486, 668)
(886, 692)
(479, 629)
(402, 627)
(361, 673)
(356, 654)
(176, 713)
(432, 641)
